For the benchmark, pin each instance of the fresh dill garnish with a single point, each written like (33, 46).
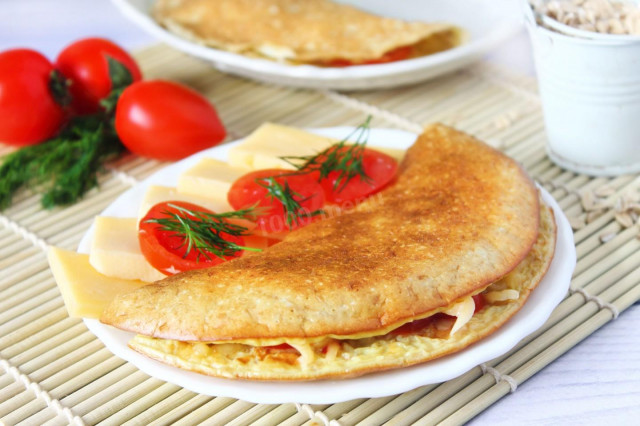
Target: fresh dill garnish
(344, 158)
(291, 200)
(63, 168)
(204, 231)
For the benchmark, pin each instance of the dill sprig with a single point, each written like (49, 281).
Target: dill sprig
(203, 231)
(346, 159)
(65, 167)
(291, 200)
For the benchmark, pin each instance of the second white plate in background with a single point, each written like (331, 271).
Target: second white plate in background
(488, 22)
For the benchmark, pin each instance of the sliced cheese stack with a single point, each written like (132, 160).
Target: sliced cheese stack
(264, 147)
(115, 250)
(85, 291)
(209, 178)
(156, 194)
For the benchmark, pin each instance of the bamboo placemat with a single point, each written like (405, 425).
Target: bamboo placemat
(55, 372)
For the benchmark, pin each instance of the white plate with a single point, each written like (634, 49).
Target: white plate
(488, 22)
(535, 312)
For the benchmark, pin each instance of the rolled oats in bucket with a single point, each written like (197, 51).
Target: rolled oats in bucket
(602, 16)
(589, 84)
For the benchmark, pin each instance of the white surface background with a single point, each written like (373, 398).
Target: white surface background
(597, 382)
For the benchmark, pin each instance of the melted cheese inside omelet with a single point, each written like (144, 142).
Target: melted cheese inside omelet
(417, 340)
(282, 357)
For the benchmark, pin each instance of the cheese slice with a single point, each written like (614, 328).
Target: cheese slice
(156, 194)
(315, 351)
(264, 147)
(85, 291)
(501, 295)
(115, 250)
(463, 311)
(209, 178)
(397, 154)
(307, 354)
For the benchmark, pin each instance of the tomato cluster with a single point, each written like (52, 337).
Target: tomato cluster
(157, 119)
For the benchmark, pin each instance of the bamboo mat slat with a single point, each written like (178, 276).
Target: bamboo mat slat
(55, 372)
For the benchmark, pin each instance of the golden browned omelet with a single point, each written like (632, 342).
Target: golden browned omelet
(301, 31)
(461, 219)
(328, 357)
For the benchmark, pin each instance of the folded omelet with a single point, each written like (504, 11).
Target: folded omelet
(387, 285)
(301, 31)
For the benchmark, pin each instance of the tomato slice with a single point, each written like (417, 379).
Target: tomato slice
(379, 168)
(247, 191)
(281, 346)
(399, 54)
(478, 299)
(166, 251)
(424, 326)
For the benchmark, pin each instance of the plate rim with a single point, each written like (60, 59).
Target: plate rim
(528, 319)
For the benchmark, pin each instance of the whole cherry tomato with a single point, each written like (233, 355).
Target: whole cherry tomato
(250, 189)
(167, 251)
(379, 168)
(29, 113)
(85, 64)
(166, 120)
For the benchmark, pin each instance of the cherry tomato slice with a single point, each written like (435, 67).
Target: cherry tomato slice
(399, 54)
(246, 192)
(380, 169)
(165, 251)
(281, 346)
(29, 113)
(423, 326)
(84, 62)
(480, 302)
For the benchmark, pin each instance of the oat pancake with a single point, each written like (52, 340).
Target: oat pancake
(300, 31)
(460, 216)
(331, 358)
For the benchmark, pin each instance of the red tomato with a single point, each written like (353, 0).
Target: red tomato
(379, 168)
(421, 325)
(399, 54)
(29, 114)
(85, 64)
(246, 191)
(165, 251)
(480, 302)
(166, 120)
(281, 346)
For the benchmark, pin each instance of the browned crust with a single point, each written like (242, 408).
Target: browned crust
(460, 216)
(525, 278)
(310, 31)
